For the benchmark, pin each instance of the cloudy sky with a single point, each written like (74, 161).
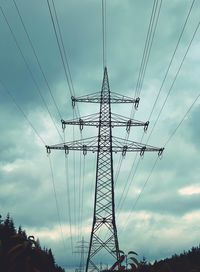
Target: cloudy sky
(157, 210)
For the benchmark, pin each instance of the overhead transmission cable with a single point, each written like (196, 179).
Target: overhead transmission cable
(82, 194)
(156, 161)
(74, 181)
(56, 199)
(79, 194)
(43, 142)
(30, 72)
(155, 13)
(103, 9)
(68, 196)
(172, 58)
(37, 59)
(65, 54)
(182, 120)
(22, 112)
(36, 85)
(170, 63)
(65, 63)
(128, 184)
(138, 197)
(62, 51)
(68, 200)
(173, 55)
(176, 75)
(173, 82)
(148, 45)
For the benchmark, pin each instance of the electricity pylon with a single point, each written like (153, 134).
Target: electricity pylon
(104, 144)
(82, 249)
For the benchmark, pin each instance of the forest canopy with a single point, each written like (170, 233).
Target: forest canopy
(20, 252)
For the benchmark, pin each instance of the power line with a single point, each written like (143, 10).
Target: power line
(62, 51)
(36, 56)
(118, 169)
(129, 180)
(41, 139)
(145, 58)
(180, 123)
(68, 199)
(22, 112)
(128, 184)
(156, 161)
(59, 47)
(172, 58)
(173, 82)
(150, 116)
(137, 199)
(74, 178)
(65, 54)
(151, 43)
(30, 71)
(148, 45)
(103, 9)
(56, 200)
(173, 55)
(82, 195)
(79, 195)
(68, 195)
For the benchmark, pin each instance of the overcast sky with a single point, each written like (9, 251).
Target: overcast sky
(165, 219)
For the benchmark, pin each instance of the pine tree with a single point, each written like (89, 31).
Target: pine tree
(19, 253)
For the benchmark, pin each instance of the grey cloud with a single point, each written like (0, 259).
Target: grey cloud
(194, 127)
(30, 198)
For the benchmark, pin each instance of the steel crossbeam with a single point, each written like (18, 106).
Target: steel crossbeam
(118, 145)
(116, 121)
(115, 98)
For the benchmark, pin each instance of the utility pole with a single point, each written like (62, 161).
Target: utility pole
(82, 249)
(105, 144)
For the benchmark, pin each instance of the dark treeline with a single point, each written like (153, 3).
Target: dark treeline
(21, 253)
(186, 262)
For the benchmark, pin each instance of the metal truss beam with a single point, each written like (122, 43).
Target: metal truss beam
(115, 98)
(118, 145)
(116, 121)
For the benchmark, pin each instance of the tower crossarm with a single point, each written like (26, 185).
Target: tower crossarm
(122, 145)
(122, 121)
(119, 145)
(89, 120)
(116, 121)
(88, 144)
(115, 98)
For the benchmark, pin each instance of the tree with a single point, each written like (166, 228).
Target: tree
(21, 253)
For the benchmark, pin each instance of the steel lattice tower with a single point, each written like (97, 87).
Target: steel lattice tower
(104, 144)
(82, 249)
(104, 205)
